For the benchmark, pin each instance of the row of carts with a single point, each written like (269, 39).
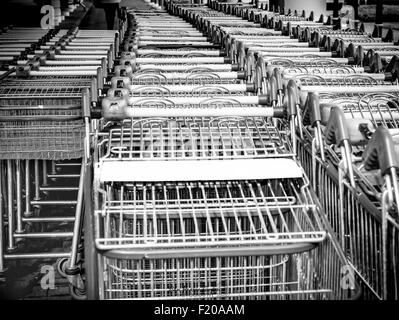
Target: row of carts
(198, 189)
(224, 151)
(48, 86)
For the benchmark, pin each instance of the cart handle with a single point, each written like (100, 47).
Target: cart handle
(392, 69)
(312, 115)
(264, 23)
(359, 56)
(279, 80)
(273, 90)
(373, 60)
(380, 152)
(292, 98)
(312, 112)
(336, 131)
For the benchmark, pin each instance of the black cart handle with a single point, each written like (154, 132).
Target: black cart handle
(312, 112)
(336, 131)
(380, 152)
(292, 97)
(279, 79)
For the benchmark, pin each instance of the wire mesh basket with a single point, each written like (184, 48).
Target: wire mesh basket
(50, 140)
(195, 138)
(41, 123)
(198, 78)
(315, 274)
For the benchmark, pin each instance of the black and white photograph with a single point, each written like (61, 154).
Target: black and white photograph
(199, 154)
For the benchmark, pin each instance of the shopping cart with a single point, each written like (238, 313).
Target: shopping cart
(366, 249)
(210, 225)
(348, 193)
(39, 126)
(163, 229)
(44, 137)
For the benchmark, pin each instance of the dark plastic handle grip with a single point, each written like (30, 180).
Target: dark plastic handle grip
(264, 22)
(312, 109)
(336, 131)
(273, 89)
(393, 68)
(279, 79)
(375, 62)
(292, 97)
(380, 152)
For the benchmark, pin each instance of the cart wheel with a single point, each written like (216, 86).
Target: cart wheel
(77, 294)
(29, 227)
(61, 265)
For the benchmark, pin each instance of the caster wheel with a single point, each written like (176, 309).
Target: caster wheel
(62, 263)
(77, 294)
(29, 227)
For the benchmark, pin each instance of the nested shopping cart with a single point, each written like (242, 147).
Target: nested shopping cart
(44, 137)
(39, 127)
(331, 153)
(367, 247)
(177, 217)
(381, 155)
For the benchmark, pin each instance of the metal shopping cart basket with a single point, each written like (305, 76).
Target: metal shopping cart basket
(176, 216)
(41, 123)
(349, 195)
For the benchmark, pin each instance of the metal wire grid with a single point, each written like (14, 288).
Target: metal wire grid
(202, 91)
(212, 102)
(357, 223)
(205, 14)
(218, 277)
(187, 68)
(124, 282)
(25, 108)
(195, 138)
(59, 82)
(379, 108)
(320, 70)
(41, 126)
(19, 91)
(311, 63)
(248, 31)
(250, 63)
(310, 275)
(51, 140)
(194, 78)
(290, 18)
(177, 49)
(350, 80)
(321, 28)
(170, 54)
(356, 214)
(168, 33)
(208, 215)
(46, 78)
(348, 33)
